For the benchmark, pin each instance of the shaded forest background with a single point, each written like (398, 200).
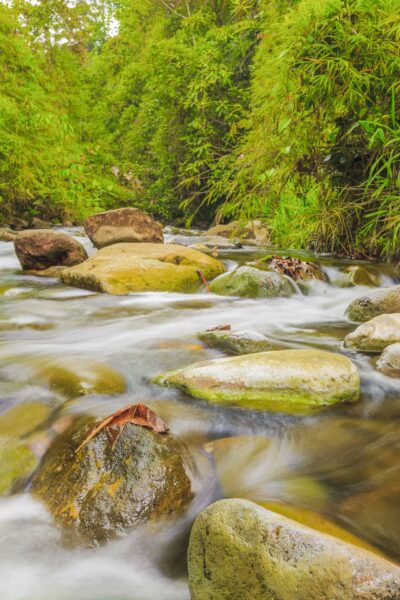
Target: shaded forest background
(201, 110)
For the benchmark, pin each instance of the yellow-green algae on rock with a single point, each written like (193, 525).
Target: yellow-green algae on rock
(17, 461)
(294, 381)
(124, 268)
(23, 419)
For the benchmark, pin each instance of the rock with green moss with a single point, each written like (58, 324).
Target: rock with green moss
(360, 275)
(376, 334)
(375, 303)
(17, 462)
(249, 282)
(124, 268)
(235, 342)
(81, 377)
(100, 492)
(23, 419)
(241, 551)
(294, 381)
(389, 362)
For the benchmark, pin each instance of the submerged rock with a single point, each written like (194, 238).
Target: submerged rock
(249, 282)
(40, 249)
(122, 225)
(375, 303)
(296, 269)
(376, 334)
(235, 342)
(241, 551)
(389, 362)
(294, 381)
(125, 268)
(17, 462)
(101, 492)
(23, 419)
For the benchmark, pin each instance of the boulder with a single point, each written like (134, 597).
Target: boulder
(23, 419)
(376, 302)
(249, 282)
(235, 342)
(81, 377)
(101, 492)
(376, 334)
(359, 275)
(241, 551)
(122, 225)
(296, 269)
(6, 235)
(40, 249)
(253, 230)
(125, 268)
(389, 362)
(294, 381)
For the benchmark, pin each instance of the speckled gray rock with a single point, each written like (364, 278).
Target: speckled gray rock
(376, 302)
(389, 362)
(39, 249)
(376, 334)
(235, 342)
(241, 551)
(249, 282)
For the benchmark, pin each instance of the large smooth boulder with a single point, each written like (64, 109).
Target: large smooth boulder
(40, 249)
(375, 303)
(235, 342)
(294, 381)
(125, 268)
(389, 362)
(101, 492)
(376, 334)
(249, 282)
(122, 225)
(241, 551)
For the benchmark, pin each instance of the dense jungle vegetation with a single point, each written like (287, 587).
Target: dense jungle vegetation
(196, 110)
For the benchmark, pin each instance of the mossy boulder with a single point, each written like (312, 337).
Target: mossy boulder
(294, 381)
(389, 362)
(375, 303)
(249, 282)
(241, 551)
(376, 334)
(125, 268)
(100, 492)
(23, 419)
(17, 462)
(235, 342)
(359, 275)
(81, 377)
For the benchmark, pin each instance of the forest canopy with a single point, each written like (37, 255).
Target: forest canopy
(199, 110)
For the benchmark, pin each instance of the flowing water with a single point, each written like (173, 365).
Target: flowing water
(342, 464)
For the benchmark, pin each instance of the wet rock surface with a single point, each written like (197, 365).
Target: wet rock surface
(40, 249)
(102, 492)
(389, 362)
(375, 303)
(249, 282)
(376, 334)
(235, 342)
(122, 225)
(241, 551)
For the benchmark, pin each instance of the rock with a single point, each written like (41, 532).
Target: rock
(17, 462)
(294, 381)
(375, 303)
(296, 269)
(125, 268)
(53, 272)
(253, 230)
(389, 362)
(100, 492)
(235, 342)
(41, 248)
(76, 377)
(6, 235)
(122, 225)
(241, 551)
(376, 334)
(23, 419)
(358, 275)
(249, 282)
(39, 224)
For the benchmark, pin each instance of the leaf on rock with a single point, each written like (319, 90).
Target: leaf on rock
(134, 414)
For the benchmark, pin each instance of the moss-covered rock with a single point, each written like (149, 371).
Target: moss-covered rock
(23, 419)
(294, 381)
(389, 362)
(375, 303)
(376, 334)
(359, 275)
(101, 492)
(241, 551)
(125, 268)
(249, 282)
(235, 342)
(17, 462)
(80, 377)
